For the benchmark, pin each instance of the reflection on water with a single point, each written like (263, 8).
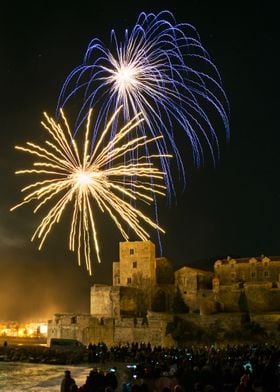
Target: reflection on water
(18, 376)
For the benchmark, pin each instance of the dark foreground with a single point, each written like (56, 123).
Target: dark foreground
(231, 368)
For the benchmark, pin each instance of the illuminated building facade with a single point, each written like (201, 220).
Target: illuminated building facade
(139, 303)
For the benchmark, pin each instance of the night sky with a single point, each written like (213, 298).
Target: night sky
(230, 209)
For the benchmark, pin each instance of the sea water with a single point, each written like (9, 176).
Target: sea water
(19, 376)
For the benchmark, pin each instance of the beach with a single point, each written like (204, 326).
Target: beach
(21, 376)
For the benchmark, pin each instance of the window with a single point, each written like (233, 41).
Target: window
(128, 280)
(266, 274)
(73, 320)
(134, 264)
(253, 274)
(131, 251)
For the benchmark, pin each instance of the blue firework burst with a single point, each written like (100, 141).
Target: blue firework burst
(161, 69)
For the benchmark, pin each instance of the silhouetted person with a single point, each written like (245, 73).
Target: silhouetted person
(95, 382)
(111, 380)
(68, 383)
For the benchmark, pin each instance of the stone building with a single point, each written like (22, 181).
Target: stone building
(195, 286)
(138, 305)
(258, 278)
(254, 270)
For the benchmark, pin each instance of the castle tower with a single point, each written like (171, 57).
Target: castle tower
(137, 264)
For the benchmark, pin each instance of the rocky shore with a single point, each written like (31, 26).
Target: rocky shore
(40, 354)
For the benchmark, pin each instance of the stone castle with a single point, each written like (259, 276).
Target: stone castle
(139, 304)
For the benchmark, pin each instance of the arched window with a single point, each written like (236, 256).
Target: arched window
(159, 302)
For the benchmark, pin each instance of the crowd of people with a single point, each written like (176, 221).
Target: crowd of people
(97, 380)
(157, 369)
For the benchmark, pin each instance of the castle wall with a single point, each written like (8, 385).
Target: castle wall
(259, 297)
(149, 330)
(115, 301)
(186, 280)
(162, 298)
(191, 279)
(116, 273)
(130, 300)
(164, 271)
(231, 321)
(101, 303)
(262, 299)
(193, 284)
(88, 329)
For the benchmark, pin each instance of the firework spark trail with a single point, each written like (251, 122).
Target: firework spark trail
(99, 176)
(162, 70)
